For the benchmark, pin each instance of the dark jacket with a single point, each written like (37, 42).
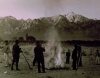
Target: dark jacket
(68, 54)
(16, 50)
(39, 52)
(74, 54)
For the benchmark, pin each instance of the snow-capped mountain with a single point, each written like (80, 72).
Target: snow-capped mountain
(72, 17)
(69, 26)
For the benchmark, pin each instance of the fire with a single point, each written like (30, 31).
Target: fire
(58, 59)
(53, 50)
(54, 59)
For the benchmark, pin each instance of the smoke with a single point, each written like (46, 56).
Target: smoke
(43, 8)
(53, 7)
(53, 50)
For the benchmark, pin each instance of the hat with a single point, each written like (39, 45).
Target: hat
(17, 41)
(38, 43)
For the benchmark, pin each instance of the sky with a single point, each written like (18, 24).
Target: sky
(24, 9)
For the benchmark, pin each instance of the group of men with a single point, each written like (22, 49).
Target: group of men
(16, 50)
(76, 57)
(15, 54)
(39, 57)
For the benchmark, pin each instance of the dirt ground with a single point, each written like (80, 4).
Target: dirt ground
(88, 70)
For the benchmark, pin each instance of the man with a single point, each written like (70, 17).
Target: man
(74, 57)
(16, 53)
(68, 56)
(39, 56)
(97, 54)
(79, 56)
(6, 50)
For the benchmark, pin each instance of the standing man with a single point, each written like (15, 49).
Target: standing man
(74, 57)
(79, 56)
(6, 50)
(39, 56)
(97, 54)
(16, 53)
(68, 56)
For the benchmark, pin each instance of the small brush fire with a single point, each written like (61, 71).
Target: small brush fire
(55, 57)
(54, 60)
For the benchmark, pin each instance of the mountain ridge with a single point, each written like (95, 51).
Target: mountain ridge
(69, 26)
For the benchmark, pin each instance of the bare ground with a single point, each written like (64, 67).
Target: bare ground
(89, 70)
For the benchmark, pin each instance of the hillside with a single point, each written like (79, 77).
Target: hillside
(69, 27)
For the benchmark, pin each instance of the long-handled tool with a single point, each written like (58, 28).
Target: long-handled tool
(10, 59)
(27, 61)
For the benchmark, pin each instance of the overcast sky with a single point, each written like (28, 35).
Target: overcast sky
(43, 8)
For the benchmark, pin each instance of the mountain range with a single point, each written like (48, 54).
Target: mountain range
(69, 27)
